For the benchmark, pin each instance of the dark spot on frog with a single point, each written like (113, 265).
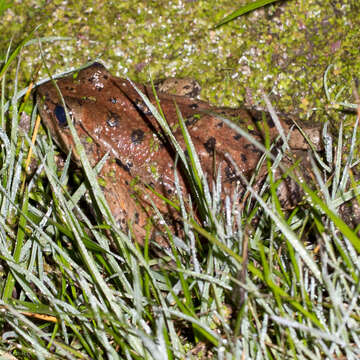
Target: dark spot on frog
(288, 121)
(194, 106)
(136, 218)
(169, 191)
(220, 124)
(210, 145)
(60, 115)
(113, 119)
(260, 116)
(256, 115)
(137, 136)
(243, 158)
(252, 148)
(105, 77)
(270, 122)
(237, 137)
(192, 120)
(126, 167)
(229, 173)
(113, 100)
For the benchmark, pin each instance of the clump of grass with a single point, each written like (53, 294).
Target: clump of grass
(286, 287)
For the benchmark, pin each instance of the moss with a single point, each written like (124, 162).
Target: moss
(283, 49)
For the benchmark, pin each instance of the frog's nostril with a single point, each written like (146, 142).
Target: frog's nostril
(60, 115)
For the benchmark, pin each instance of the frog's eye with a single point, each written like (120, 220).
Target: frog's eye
(60, 115)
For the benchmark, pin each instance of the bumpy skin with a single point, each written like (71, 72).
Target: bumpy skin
(110, 116)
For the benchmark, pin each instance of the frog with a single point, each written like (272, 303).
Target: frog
(111, 117)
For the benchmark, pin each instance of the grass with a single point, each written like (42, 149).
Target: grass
(244, 10)
(285, 288)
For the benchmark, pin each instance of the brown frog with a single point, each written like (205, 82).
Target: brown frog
(110, 116)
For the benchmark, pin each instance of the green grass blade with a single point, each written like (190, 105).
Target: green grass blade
(244, 10)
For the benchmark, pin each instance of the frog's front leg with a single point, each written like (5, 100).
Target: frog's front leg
(131, 204)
